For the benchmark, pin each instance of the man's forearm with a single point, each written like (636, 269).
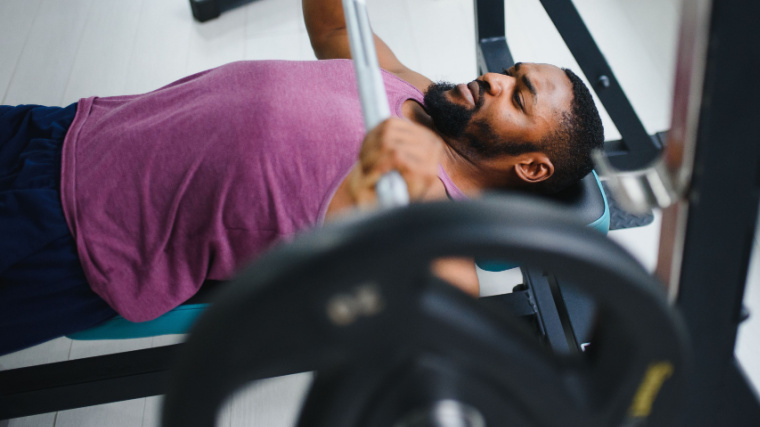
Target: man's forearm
(323, 16)
(326, 26)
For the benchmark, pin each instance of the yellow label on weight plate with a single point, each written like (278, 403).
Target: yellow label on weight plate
(650, 386)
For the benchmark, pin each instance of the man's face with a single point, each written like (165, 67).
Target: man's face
(499, 113)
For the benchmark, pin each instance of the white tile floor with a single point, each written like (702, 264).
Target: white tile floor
(57, 51)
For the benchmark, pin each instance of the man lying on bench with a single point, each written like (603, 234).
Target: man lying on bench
(128, 204)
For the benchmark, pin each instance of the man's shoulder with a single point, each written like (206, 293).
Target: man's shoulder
(412, 77)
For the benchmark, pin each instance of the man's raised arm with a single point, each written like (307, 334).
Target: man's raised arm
(329, 39)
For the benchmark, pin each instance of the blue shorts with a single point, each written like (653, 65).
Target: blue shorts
(43, 291)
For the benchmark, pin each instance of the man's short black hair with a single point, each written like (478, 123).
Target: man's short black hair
(569, 147)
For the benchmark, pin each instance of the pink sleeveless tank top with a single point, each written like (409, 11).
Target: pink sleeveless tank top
(189, 182)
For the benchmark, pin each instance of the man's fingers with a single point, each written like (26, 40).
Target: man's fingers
(396, 144)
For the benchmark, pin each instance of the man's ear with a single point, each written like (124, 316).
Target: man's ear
(534, 167)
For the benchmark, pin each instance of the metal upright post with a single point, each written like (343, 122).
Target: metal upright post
(722, 209)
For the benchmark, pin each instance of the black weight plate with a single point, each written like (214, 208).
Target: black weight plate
(284, 315)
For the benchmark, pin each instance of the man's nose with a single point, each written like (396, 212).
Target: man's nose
(498, 83)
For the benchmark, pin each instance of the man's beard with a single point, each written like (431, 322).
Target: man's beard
(453, 120)
(449, 118)
(475, 139)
